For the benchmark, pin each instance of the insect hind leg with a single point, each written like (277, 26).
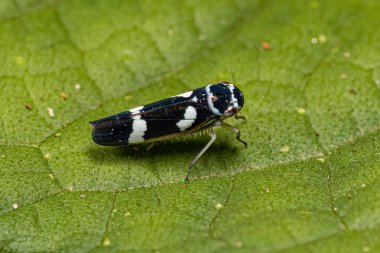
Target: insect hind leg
(235, 130)
(213, 137)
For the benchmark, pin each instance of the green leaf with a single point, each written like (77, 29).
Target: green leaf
(308, 181)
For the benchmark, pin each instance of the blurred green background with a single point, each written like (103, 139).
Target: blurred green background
(308, 182)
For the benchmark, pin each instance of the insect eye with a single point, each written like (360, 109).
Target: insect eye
(232, 111)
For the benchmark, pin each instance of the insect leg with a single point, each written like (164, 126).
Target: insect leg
(241, 116)
(150, 146)
(235, 130)
(213, 137)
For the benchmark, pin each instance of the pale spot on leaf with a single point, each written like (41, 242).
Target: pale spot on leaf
(50, 112)
(47, 156)
(366, 249)
(20, 61)
(322, 38)
(301, 110)
(284, 149)
(106, 242)
(347, 54)
(219, 206)
(77, 86)
(322, 159)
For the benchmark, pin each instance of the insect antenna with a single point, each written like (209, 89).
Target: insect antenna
(232, 73)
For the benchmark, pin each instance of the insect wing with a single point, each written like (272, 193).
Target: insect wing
(156, 121)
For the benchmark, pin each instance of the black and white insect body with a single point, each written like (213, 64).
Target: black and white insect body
(187, 113)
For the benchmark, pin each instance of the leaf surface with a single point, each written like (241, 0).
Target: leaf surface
(309, 180)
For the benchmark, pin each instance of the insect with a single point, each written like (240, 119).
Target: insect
(191, 112)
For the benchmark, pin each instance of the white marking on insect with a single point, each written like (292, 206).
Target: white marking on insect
(138, 130)
(136, 110)
(195, 99)
(185, 95)
(139, 127)
(209, 101)
(233, 99)
(189, 118)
